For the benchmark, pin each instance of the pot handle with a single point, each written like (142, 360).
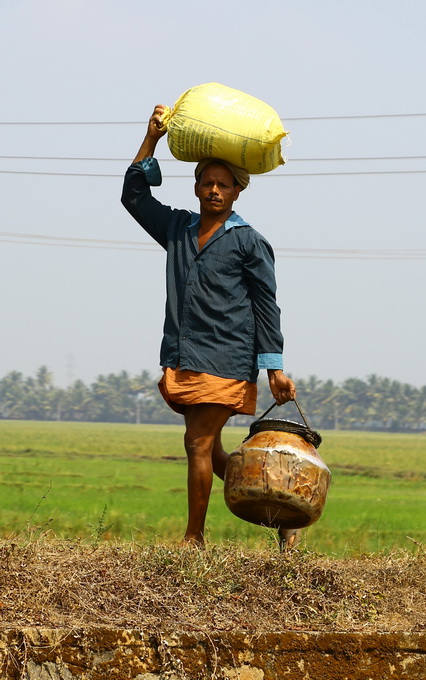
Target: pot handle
(298, 408)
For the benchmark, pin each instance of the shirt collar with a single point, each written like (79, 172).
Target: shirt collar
(233, 220)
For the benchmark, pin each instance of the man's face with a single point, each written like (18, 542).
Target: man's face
(215, 190)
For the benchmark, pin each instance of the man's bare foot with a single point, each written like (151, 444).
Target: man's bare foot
(288, 538)
(187, 542)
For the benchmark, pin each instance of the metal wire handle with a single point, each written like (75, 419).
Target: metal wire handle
(298, 407)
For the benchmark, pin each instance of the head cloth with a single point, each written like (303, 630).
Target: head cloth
(242, 176)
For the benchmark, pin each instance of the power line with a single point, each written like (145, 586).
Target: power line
(357, 117)
(279, 254)
(165, 160)
(73, 238)
(75, 122)
(296, 253)
(79, 245)
(145, 122)
(356, 158)
(81, 158)
(62, 174)
(335, 174)
(268, 175)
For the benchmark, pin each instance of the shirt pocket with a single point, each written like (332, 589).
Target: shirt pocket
(222, 274)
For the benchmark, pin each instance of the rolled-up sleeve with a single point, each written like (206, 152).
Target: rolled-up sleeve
(136, 197)
(270, 361)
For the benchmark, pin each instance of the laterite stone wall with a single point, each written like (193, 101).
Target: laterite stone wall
(104, 653)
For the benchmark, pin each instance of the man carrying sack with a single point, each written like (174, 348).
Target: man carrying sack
(222, 321)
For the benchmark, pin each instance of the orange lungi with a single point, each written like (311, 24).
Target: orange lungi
(185, 388)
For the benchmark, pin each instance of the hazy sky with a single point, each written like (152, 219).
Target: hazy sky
(336, 72)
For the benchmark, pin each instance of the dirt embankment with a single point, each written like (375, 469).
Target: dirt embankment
(60, 584)
(212, 597)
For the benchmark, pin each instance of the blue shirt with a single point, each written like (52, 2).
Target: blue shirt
(221, 312)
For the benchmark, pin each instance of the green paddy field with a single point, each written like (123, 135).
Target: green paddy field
(128, 482)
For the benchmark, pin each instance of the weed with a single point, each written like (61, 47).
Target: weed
(100, 529)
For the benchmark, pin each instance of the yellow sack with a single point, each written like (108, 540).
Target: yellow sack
(216, 121)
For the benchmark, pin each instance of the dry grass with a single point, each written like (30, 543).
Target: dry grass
(227, 587)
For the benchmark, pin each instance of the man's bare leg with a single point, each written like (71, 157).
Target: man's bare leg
(219, 457)
(204, 423)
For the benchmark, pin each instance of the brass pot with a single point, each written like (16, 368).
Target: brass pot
(276, 477)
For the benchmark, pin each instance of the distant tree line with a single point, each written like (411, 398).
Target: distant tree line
(372, 404)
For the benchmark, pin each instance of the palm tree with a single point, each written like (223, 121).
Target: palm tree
(12, 395)
(142, 389)
(40, 395)
(112, 396)
(78, 402)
